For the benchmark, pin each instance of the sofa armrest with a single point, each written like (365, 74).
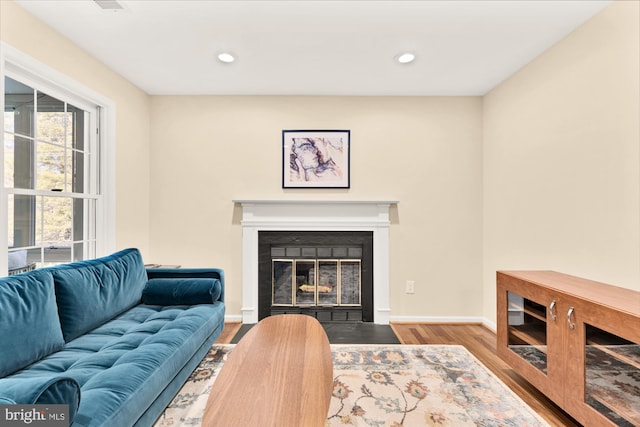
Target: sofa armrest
(189, 273)
(46, 390)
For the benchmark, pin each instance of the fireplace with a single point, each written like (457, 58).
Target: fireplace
(324, 216)
(324, 274)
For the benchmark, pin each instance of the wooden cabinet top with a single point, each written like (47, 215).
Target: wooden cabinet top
(615, 297)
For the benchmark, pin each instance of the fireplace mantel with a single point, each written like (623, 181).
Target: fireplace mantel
(315, 215)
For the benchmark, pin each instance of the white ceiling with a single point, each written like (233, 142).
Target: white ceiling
(316, 47)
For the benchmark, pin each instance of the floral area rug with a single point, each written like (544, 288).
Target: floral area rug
(387, 385)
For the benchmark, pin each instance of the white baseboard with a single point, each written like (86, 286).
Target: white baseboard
(444, 319)
(233, 318)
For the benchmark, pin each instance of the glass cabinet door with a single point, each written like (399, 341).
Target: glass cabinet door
(527, 330)
(612, 376)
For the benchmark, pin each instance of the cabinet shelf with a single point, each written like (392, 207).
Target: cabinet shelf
(622, 350)
(629, 416)
(535, 314)
(528, 334)
(599, 398)
(535, 310)
(613, 351)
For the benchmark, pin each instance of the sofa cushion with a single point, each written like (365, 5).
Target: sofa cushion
(125, 364)
(28, 319)
(42, 390)
(91, 292)
(181, 291)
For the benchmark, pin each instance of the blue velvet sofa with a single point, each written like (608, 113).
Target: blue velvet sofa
(110, 339)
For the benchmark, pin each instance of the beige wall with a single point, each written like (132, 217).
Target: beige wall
(561, 158)
(424, 152)
(24, 32)
(543, 172)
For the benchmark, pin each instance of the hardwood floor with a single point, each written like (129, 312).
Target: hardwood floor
(230, 330)
(481, 342)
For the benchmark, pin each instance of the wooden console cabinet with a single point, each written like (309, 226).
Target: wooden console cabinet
(576, 340)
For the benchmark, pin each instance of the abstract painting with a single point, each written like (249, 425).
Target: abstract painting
(315, 158)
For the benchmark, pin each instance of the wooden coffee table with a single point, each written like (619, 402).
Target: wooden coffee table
(279, 374)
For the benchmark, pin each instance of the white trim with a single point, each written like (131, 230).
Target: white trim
(13, 61)
(315, 215)
(490, 325)
(40, 71)
(303, 202)
(106, 237)
(233, 318)
(4, 220)
(444, 319)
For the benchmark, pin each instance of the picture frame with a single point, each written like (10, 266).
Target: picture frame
(316, 158)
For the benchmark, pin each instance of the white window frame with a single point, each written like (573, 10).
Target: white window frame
(20, 66)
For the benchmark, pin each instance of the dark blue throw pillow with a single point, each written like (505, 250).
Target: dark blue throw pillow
(181, 291)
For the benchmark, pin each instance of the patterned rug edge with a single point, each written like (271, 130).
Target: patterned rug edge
(515, 395)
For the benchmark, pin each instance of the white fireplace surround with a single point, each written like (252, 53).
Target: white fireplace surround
(315, 215)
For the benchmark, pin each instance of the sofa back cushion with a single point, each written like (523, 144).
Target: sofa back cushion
(28, 320)
(91, 292)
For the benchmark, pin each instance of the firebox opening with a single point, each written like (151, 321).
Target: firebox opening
(327, 275)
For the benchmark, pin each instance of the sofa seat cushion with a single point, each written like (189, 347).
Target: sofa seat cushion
(89, 293)
(123, 365)
(28, 319)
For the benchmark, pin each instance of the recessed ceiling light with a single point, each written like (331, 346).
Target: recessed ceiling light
(405, 58)
(226, 57)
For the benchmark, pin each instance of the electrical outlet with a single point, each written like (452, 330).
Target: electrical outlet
(410, 287)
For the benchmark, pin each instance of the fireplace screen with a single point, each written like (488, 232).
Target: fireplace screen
(326, 282)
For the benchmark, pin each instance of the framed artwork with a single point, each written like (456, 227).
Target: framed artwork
(315, 158)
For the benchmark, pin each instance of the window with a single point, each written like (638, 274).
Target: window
(53, 202)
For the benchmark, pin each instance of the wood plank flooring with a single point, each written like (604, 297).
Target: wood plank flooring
(230, 330)
(481, 342)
